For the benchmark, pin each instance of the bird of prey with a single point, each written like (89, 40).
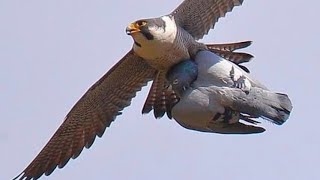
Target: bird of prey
(215, 94)
(159, 43)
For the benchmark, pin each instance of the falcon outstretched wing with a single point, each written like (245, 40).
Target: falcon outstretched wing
(198, 16)
(90, 116)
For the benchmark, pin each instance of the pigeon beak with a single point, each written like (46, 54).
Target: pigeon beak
(132, 28)
(184, 88)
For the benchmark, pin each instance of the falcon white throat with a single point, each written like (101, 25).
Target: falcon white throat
(160, 42)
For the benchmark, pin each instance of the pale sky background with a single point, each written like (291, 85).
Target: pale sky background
(51, 52)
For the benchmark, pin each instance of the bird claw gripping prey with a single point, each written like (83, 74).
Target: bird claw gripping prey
(241, 82)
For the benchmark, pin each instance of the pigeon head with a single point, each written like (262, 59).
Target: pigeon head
(182, 75)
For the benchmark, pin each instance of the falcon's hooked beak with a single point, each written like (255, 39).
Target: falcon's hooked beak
(132, 28)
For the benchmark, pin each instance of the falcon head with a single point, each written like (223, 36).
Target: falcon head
(154, 29)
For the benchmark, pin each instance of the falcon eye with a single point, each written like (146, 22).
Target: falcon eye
(141, 23)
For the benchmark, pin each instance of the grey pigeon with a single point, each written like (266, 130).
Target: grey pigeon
(215, 94)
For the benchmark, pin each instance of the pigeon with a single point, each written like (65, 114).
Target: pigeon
(217, 96)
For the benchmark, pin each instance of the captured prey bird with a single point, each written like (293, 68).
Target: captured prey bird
(215, 94)
(159, 43)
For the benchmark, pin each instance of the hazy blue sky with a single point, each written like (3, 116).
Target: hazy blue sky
(51, 52)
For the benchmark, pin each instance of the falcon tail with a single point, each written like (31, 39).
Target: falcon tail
(275, 107)
(229, 46)
(226, 51)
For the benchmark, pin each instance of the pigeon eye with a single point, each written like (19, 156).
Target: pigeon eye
(176, 81)
(141, 23)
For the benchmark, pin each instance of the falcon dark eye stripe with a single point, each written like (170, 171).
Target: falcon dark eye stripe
(135, 42)
(147, 33)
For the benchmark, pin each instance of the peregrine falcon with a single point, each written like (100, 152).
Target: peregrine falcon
(159, 43)
(215, 94)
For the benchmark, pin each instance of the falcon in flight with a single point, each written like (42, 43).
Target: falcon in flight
(159, 43)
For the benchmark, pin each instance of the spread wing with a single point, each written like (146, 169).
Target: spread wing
(90, 116)
(199, 16)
